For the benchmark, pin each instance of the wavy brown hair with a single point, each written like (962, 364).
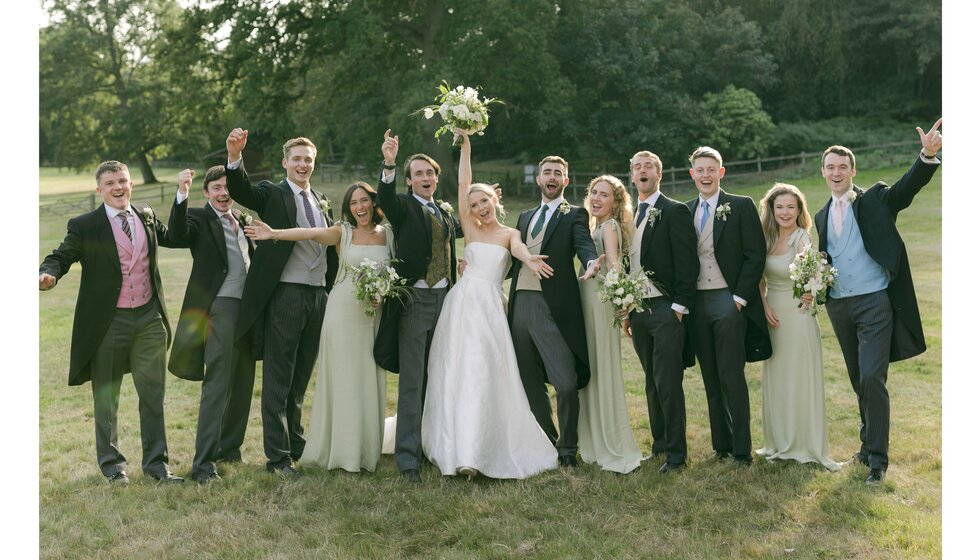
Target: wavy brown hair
(767, 212)
(376, 214)
(622, 210)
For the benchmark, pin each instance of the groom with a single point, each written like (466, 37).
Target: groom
(545, 315)
(285, 295)
(425, 256)
(872, 306)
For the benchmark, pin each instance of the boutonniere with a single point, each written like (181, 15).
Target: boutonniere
(722, 212)
(247, 218)
(564, 207)
(851, 196)
(324, 205)
(445, 206)
(652, 216)
(147, 213)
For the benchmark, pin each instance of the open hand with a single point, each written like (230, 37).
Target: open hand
(540, 268)
(259, 231)
(594, 269)
(771, 317)
(184, 180)
(932, 141)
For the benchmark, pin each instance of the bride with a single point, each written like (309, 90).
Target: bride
(476, 418)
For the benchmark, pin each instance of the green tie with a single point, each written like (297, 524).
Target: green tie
(540, 223)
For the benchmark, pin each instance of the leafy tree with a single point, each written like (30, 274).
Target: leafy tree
(737, 125)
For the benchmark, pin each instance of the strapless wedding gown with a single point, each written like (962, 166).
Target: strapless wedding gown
(476, 414)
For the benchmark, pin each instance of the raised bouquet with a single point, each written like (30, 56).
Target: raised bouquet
(460, 108)
(623, 291)
(811, 274)
(373, 282)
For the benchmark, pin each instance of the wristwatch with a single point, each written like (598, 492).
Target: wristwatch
(387, 166)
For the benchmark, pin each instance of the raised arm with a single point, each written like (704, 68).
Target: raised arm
(240, 188)
(388, 201)
(260, 231)
(465, 172)
(180, 230)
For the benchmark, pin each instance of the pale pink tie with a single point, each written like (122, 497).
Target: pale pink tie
(838, 216)
(231, 222)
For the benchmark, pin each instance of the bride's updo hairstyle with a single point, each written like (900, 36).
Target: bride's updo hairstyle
(485, 189)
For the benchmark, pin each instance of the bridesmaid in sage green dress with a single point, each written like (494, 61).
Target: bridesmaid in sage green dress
(347, 418)
(605, 434)
(794, 420)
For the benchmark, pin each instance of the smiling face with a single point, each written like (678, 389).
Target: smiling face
(646, 175)
(602, 202)
(116, 189)
(786, 211)
(361, 207)
(838, 172)
(551, 179)
(707, 174)
(483, 206)
(423, 178)
(216, 191)
(299, 163)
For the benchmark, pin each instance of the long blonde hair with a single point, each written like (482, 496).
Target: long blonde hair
(622, 210)
(767, 212)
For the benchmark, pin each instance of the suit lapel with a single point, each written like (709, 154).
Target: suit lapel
(718, 224)
(522, 223)
(549, 230)
(648, 236)
(149, 237)
(217, 232)
(107, 238)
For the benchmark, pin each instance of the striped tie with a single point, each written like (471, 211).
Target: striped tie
(124, 222)
(308, 208)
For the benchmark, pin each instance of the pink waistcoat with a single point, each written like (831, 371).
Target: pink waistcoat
(134, 260)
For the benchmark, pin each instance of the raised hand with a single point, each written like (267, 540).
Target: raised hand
(540, 268)
(932, 141)
(46, 281)
(259, 231)
(594, 269)
(235, 143)
(184, 180)
(389, 148)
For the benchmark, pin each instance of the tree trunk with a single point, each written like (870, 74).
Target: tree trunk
(147, 171)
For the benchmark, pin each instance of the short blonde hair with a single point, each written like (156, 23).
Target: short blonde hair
(647, 153)
(708, 152)
(298, 141)
(487, 190)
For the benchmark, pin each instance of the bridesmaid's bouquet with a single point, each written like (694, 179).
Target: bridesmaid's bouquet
(460, 108)
(373, 282)
(811, 274)
(623, 291)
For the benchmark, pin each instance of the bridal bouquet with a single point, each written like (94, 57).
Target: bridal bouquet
(373, 282)
(623, 291)
(460, 108)
(811, 274)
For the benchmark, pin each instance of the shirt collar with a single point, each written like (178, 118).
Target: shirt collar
(296, 189)
(423, 201)
(713, 201)
(651, 200)
(113, 212)
(220, 214)
(552, 204)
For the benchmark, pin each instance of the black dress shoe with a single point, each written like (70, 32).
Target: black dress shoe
(669, 467)
(118, 478)
(288, 472)
(567, 461)
(742, 461)
(168, 478)
(721, 455)
(875, 477)
(861, 458)
(412, 475)
(206, 478)
(654, 455)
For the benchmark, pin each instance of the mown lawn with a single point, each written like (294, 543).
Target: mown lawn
(778, 510)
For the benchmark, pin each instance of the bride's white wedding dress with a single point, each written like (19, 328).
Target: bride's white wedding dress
(476, 414)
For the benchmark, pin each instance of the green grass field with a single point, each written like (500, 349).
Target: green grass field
(711, 510)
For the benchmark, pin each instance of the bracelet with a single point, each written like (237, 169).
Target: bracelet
(386, 166)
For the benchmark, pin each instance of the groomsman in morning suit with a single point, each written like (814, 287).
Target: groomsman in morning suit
(425, 253)
(728, 322)
(872, 306)
(545, 315)
(285, 294)
(204, 344)
(665, 249)
(121, 321)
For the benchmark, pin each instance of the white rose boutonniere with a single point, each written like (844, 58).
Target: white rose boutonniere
(722, 212)
(653, 216)
(445, 206)
(148, 213)
(324, 205)
(564, 208)
(247, 218)
(851, 196)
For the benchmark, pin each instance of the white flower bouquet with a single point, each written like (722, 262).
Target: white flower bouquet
(460, 108)
(373, 282)
(811, 274)
(623, 291)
